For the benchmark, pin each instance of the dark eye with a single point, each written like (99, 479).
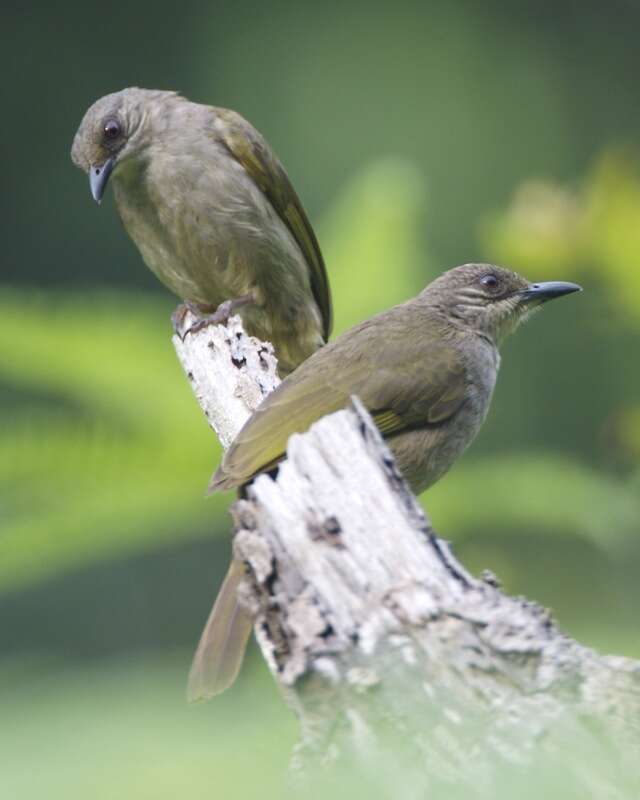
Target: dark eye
(112, 129)
(490, 281)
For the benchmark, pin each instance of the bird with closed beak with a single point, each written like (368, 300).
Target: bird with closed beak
(425, 370)
(213, 214)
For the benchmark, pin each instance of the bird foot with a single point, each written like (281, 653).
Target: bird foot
(219, 317)
(179, 315)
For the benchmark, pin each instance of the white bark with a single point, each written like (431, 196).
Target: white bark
(229, 372)
(364, 616)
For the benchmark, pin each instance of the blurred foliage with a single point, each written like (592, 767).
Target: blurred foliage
(588, 230)
(372, 230)
(123, 729)
(100, 452)
(545, 492)
(133, 738)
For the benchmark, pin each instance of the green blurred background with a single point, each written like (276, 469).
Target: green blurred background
(420, 135)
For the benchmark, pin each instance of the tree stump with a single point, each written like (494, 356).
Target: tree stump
(384, 646)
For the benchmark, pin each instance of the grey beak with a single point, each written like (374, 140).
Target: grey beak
(98, 177)
(541, 292)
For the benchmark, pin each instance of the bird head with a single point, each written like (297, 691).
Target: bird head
(491, 300)
(115, 131)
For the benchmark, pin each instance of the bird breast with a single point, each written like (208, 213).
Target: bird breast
(424, 455)
(202, 225)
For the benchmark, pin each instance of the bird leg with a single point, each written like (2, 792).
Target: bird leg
(204, 316)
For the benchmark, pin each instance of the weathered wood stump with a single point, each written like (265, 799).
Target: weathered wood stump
(377, 634)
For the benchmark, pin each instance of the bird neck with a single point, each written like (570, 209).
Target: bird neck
(463, 325)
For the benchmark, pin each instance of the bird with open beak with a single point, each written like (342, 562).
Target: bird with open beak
(213, 214)
(425, 370)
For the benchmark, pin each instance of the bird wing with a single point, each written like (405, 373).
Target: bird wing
(253, 152)
(403, 384)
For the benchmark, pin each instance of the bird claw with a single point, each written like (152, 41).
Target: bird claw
(219, 317)
(180, 314)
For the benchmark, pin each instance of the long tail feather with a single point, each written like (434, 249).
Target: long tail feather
(220, 651)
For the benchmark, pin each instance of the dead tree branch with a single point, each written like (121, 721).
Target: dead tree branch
(369, 623)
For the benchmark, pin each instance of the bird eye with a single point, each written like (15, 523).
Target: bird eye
(490, 281)
(112, 129)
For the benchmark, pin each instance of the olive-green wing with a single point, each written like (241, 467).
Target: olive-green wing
(262, 441)
(256, 156)
(402, 386)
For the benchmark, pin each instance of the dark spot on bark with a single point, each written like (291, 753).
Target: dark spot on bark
(190, 375)
(327, 632)
(238, 362)
(329, 531)
(332, 526)
(490, 578)
(263, 361)
(271, 578)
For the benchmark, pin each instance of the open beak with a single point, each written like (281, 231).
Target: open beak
(541, 292)
(98, 177)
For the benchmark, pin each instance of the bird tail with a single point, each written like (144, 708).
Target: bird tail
(220, 651)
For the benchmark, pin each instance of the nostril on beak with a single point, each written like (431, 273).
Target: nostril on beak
(98, 177)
